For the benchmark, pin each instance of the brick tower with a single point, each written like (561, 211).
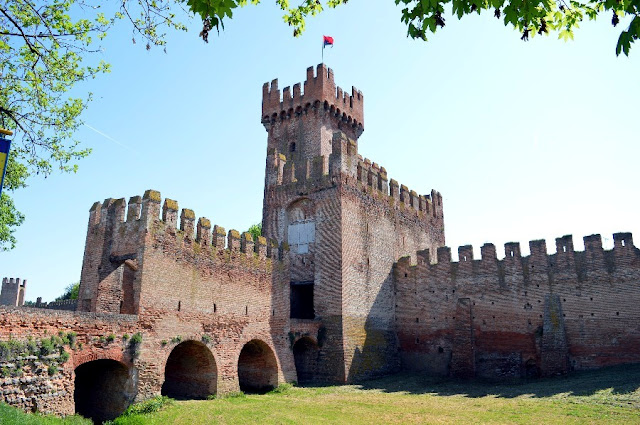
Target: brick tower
(345, 223)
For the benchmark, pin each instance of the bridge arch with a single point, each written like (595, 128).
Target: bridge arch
(103, 389)
(257, 367)
(190, 372)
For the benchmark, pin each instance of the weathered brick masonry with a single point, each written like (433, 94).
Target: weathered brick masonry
(521, 316)
(354, 221)
(171, 305)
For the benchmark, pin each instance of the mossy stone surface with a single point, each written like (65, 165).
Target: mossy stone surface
(187, 213)
(152, 195)
(170, 204)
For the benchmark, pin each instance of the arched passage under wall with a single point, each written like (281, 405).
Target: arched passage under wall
(305, 354)
(190, 372)
(257, 368)
(103, 389)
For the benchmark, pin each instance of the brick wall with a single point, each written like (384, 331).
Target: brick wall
(363, 223)
(540, 314)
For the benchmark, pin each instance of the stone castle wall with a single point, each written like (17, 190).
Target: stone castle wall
(520, 316)
(26, 381)
(216, 297)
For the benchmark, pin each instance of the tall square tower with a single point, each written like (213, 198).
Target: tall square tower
(345, 223)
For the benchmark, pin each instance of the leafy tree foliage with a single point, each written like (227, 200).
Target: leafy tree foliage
(45, 51)
(255, 230)
(70, 292)
(427, 16)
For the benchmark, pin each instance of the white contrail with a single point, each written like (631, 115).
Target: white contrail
(109, 137)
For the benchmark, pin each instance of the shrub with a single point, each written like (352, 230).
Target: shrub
(47, 346)
(136, 338)
(17, 372)
(52, 370)
(71, 337)
(64, 356)
(152, 405)
(125, 337)
(176, 339)
(111, 338)
(282, 388)
(206, 339)
(5, 352)
(32, 347)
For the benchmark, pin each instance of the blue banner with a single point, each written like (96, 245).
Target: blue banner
(4, 158)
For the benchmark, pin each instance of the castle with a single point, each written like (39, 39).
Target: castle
(351, 280)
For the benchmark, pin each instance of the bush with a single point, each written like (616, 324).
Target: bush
(111, 338)
(152, 405)
(64, 356)
(136, 338)
(47, 346)
(206, 339)
(5, 352)
(71, 337)
(282, 388)
(52, 370)
(32, 347)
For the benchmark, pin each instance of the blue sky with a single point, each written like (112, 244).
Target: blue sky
(524, 140)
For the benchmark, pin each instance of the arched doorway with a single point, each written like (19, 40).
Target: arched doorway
(305, 354)
(103, 389)
(257, 368)
(190, 372)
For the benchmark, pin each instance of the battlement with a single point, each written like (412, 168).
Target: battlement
(374, 176)
(593, 260)
(69, 305)
(320, 91)
(145, 214)
(13, 291)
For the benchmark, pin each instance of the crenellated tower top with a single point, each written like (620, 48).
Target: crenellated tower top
(320, 92)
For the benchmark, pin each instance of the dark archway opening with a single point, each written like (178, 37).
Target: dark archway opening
(305, 354)
(257, 368)
(531, 369)
(103, 390)
(190, 372)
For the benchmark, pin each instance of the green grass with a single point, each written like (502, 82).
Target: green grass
(602, 397)
(10, 415)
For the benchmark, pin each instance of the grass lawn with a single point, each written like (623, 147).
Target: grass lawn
(606, 396)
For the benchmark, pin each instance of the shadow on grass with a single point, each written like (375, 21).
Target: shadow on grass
(621, 380)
